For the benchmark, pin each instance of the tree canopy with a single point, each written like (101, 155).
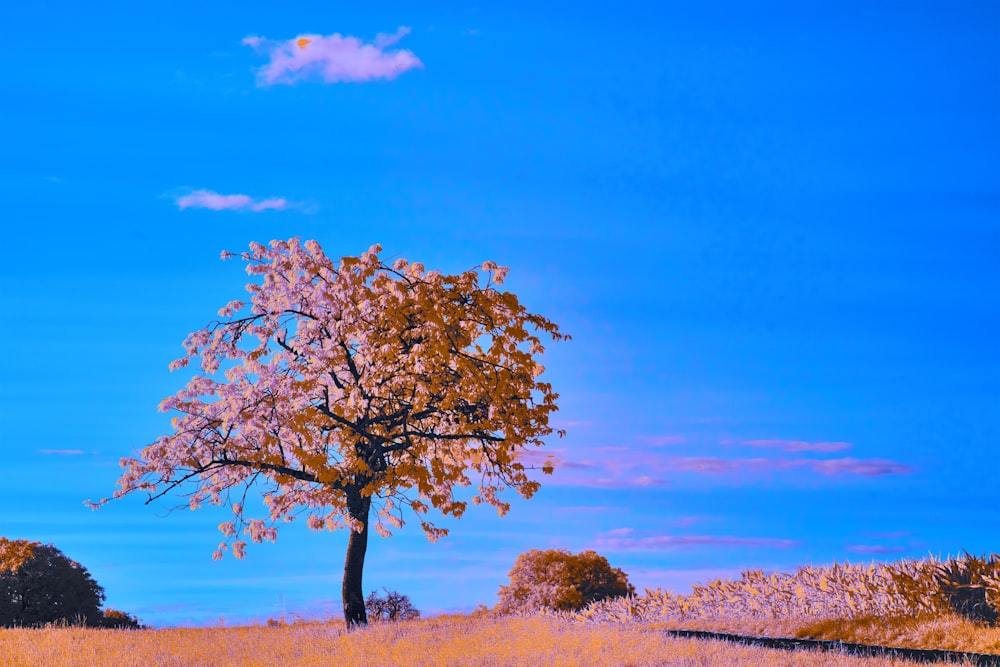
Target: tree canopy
(347, 382)
(39, 584)
(557, 579)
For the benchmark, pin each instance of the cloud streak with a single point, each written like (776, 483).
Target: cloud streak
(613, 473)
(333, 58)
(62, 452)
(585, 509)
(873, 549)
(895, 535)
(219, 202)
(830, 467)
(867, 467)
(664, 440)
(618, 542)
(794, 445)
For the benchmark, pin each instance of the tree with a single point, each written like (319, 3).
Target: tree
(556, 579)
(350, 383)
(39, 584)
(393, 607)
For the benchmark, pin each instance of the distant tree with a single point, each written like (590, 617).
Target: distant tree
(393, 607)
(348, 383)
(39, 584)
(556, 579)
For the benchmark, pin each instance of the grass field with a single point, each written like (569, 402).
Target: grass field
(467, 641)
(902, 604)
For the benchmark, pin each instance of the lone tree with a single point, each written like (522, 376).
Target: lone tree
(393, 607)
(556, 579)
(353, 383)
(39, 584)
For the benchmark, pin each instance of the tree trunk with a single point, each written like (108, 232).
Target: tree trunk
(351, 591)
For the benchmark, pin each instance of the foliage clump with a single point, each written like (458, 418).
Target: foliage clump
(39, 585)
(557, 580)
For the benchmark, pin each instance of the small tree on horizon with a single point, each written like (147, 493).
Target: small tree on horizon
(352, 383)
(392, 607)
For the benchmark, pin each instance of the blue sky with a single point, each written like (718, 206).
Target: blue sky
(772, 232)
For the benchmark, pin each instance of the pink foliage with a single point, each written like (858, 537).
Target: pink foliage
(352, 377)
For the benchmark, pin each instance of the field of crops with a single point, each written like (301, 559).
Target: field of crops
(902, 588)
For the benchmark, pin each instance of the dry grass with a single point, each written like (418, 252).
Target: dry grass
(438, 642)
(951, 632)
(899, 604)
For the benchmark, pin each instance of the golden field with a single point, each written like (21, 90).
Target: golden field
(898, 604)
(462, 640)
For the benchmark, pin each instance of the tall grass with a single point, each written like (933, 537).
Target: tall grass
(907, 604)
(437, 642)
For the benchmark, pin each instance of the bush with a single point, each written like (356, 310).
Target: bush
(120, 620)
(39, 585)
(558, 580)
(393, 607)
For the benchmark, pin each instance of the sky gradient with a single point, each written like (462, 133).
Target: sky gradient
(773, 234)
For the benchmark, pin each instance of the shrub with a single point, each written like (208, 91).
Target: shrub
(39, 585)
(393, 607)
(120, 620)
(557, 580)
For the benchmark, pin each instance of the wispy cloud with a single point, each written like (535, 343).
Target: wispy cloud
(875, 549)
(620, 542)
(333, 58)
(238, 202)
(585, 509)
(895, 535)
(663, 440)
(637, 482)
(553, 456)
(793, 445)
(62, 452)
(845, 466)
(641, 481)
(618, 532)
(867, 467)
(715, 465)
(617, 472)
(685, 521)
(647, 480)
